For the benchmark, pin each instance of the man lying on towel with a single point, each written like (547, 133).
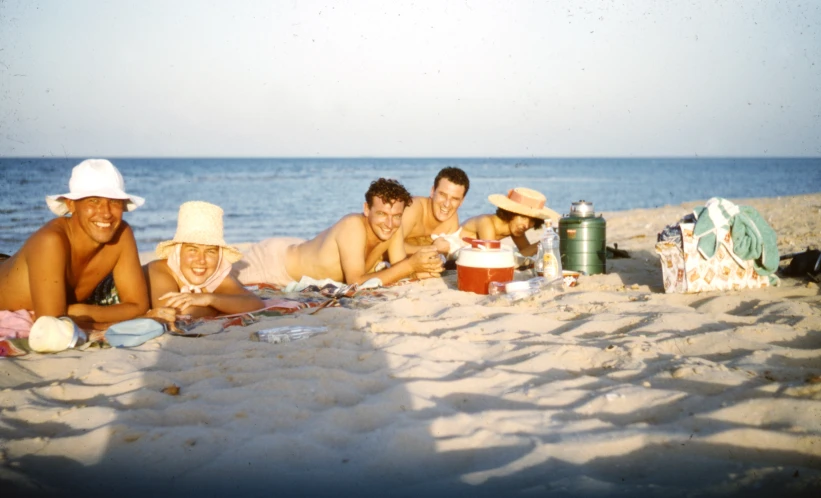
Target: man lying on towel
(192, 275)
(348, 251)
(61, 264)
(436, 215)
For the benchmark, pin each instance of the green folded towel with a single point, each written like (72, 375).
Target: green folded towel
(753, 238)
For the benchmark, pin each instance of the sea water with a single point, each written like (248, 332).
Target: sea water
(300, 197)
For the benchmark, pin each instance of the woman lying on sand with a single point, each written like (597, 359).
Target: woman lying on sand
(192, 276)
(519, 211)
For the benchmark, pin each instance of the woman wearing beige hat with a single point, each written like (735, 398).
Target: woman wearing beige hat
(192, 274)
(517, 212)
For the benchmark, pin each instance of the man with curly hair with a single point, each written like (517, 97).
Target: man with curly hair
(436, 215)
(348, 251)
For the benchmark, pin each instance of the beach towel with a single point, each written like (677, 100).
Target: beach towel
(712, 224)
(454, 241)
(314, 294)
(753, 239)
(339, 289)
(9, 348)
(264, 262)
(15, 324)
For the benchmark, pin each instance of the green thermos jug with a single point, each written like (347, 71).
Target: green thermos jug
(583, 239)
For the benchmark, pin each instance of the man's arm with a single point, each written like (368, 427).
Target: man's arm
(351, 245)
(410, 218)
(486, 230)
(229, 298)
(131, 288)
(160, 282)
(524, 245)
(47, 259)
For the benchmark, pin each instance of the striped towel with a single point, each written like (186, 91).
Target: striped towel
(713, 221)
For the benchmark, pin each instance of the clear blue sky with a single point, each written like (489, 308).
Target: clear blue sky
(422, 78)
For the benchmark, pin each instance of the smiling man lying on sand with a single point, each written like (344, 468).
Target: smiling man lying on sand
(59, 267)
(436, 215)
(348, 251)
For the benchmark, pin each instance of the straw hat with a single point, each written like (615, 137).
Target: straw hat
(199, 223)
(94, 178)
(524, 201)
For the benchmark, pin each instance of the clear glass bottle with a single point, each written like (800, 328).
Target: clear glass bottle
(551, 259)
(515, 291)
(287, 334)
(538, 260)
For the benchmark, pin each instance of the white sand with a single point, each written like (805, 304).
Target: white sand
(611, 388)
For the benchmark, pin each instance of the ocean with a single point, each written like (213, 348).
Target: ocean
(300, 197)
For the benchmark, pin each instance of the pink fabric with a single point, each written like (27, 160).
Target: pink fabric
(264, 262)
(517, 197)
(15, 324)
(214, 281)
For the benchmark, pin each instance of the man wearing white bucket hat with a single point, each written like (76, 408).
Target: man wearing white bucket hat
(517, 212)
(61, 264)
(192, 274)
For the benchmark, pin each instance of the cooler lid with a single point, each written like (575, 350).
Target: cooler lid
(582, 208)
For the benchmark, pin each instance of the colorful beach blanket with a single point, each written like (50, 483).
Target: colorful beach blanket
(278, 301)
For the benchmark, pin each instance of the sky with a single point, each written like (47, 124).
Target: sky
(429, 78)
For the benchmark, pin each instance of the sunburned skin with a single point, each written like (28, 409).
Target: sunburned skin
(197, 263)
(62, 263)
(491, 227)
(436, 214)
(348, 249)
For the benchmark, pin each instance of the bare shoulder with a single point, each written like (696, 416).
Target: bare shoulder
(417, 206)
(126, 237)
(349, 223)
(158, 266)
(51, 236)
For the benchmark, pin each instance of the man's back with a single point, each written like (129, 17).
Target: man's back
(345, 244)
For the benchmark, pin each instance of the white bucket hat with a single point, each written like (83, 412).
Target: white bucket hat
(94, 178)
(52, 335)
(199, 223)
(526, 202)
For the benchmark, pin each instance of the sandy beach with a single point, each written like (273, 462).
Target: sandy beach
(610, 388)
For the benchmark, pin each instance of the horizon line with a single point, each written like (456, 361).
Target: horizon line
(81, 157)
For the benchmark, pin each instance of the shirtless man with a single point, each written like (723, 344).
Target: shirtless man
(516, 213)
(61, 264)
(437, 214)
(348, 251)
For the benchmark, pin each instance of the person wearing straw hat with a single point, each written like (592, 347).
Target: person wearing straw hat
(517, 212)
(192, 275)
(59, 267)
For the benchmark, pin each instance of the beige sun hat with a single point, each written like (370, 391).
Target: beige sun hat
(199, 223)
(524, 201)
(94, 178)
